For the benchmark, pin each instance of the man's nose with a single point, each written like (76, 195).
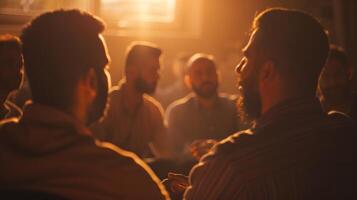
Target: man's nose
(239, 67)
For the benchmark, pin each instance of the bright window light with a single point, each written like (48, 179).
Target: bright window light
(126, 12)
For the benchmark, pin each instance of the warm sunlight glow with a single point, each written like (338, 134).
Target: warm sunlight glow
(128, 11)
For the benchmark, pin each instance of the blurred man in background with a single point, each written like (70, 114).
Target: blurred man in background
(134, 120)
(203, 114)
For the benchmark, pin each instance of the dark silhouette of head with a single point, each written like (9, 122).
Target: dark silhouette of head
(11, 64)
(142, 66)
(335, 83)
(59, 48)
(291, 41)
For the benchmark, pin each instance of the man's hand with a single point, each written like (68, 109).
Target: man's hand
(198, 148)
(177, 182)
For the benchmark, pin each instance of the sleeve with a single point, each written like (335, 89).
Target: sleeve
(137, 174)
(209, 178)
(150, 185)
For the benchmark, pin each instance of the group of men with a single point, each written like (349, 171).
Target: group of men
(70, 142)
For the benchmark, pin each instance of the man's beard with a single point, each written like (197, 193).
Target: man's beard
(143, 87)
(249, 103)
(199, 91)
(99, 105)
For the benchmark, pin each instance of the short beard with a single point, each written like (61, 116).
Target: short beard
(249, 105)
(100, 103)
(143, 87)
(205, 95)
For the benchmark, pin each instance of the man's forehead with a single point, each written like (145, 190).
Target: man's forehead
(251, 42)
(203, 63)
(104, 54)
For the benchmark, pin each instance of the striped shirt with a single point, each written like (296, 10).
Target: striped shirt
(294, 151)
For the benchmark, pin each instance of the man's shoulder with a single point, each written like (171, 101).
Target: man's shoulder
(151, 101)
(129, 164)
(152, 104)
(115, 92)
(232, 148)
(122, 158)
(220, 166)
(236, 143)
(181, 104)
(228, 99)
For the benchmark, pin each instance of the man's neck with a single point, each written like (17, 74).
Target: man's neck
(274, 100)
(131, 97)
(207, 103)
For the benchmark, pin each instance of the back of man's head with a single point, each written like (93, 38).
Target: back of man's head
(297, 44)
(138, 51)
(59, 47)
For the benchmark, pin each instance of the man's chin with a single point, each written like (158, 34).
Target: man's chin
(249, 109)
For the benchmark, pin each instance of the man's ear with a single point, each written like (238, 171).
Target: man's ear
(91, 82)
(188, 81)
(132, 73)
(267, 71)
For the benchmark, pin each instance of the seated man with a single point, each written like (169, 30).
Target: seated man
(134, 120)
(50, 149)
(335, 84)
(11, 73)
(203, 114)
(294, 150)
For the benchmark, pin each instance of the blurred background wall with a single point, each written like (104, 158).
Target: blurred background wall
(218, 27)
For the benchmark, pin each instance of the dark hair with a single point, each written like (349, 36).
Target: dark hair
(138, 50)
(10, 41)
(59, 47)
(296, 42)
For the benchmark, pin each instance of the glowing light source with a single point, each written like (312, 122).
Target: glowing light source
(127, 12)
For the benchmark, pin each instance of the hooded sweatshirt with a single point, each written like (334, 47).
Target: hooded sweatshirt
(50, 151)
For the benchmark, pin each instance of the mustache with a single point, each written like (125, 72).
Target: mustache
(207, 83)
